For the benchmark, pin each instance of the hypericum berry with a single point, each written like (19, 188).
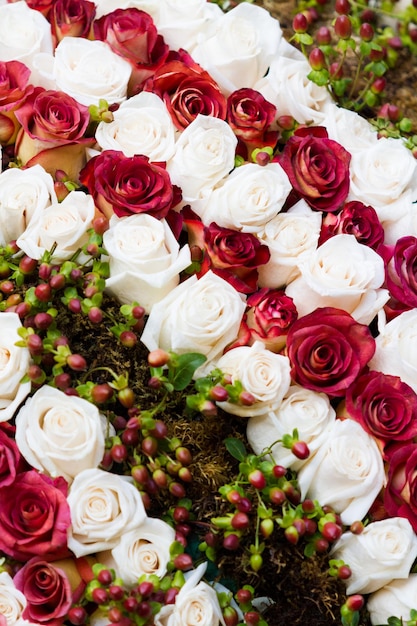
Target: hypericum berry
(76, 274)
(291, 535)
(243, 596)
(310, 526)
(357, 527)
(74, 305)
(116, 592)
(138, 312)
(276, 495)
(22, 309)
(177, 490)
(316, 59)
(144, 609)
(266, 527)
(231, 542)
(170, 595)
(63, 381)
(233, 496)
(101, 393)
(100, 595)
(240, 521)
(43, 320)
(183, 455)
(44, 271)
(180, 514)
(331, 531)
(77, 615)
(244, 505)
(149, 446)
(378, 85)
(219, 394)
(35, 374)
(252, 618)
(230, 616)
(100, 224)
(366, 31)
(76, 362)
(119, 453)
(95, 315)
(300, 525)
(342, 7)
(158, 358)
(160, 430)
(300, 23)
(114, 614)
(321, 545)
(34, 344)
(246, 398)
(344, 572)
(343, 27)
(130, 437)
(105, 577)
(323, 36)
(185, 475)
(154, 382)
(160, 477)
(128, 339)
(130, 604)
(279, 471)
(145, 588)
(257, 479)
(43, 292)
(57, 281)
(355, 603)
(126, 397)
(183, 562)
(27, 265)
(300, 450)
(6, 287)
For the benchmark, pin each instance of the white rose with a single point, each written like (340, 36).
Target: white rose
(384, 176)
(239, 47)
(248, 198)
(86, 70)
(403, 226)
(143, 551)
(349, 129)
(64, 224)
(383, 551)
(103, 507)
(141, 125)
(103, 7)
(195, 604)
(286, 85)
(347, 472)
(263, 373)
(341, 273)
(291, 237)
(23, 194)
(12, 601)
(197, 316)
(204, 154)
(14, 363)
(24, 33)
(307, 411)
(183, 22)
(145, 259)
(60, 435)
(396, 348)
(397, 599)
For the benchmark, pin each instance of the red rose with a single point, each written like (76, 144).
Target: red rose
(385, 407)
(187, 90)
(271, 314)
(71, 18)
(328, 350)
(14, 88)
(318, 168)
(354, 219)
(43, 6)
(52, 121)
(11, 461)
(47, 592)
(132, 34)
(249, 115)
(127, 185)
(400, 495)
(401, 274)
(34, 517)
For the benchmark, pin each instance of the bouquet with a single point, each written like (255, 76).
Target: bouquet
(207, 324)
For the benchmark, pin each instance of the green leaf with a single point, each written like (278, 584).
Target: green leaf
(236, 448)
(185, 365)
(319, 77)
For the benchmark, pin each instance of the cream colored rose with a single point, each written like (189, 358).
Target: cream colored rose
(248, 198)
(60, 435)
(286, 85)
(204, 154)
(197, 316)
(196, 604)
(341, 273)
(263, 373)
(239, 47)
(141, 125)
(14, 363)
(64, 224)
(396, 348)
(182, 23)
(385, 177)
(307, 411)
(384, 551)
(86, 70)
(349, 129)
(291, 238)
(24, 33)
(23, 194)
(397, 598)
(12, 601)
(347, 472)
(143, 551)
(145, 259)
(103, 506)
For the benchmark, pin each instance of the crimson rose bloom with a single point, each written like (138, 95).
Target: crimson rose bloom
(47, 591)
(34, 517)
(187, 90)
(11, 461)
(249, 115)
(71, 18)
(400, 495)
(354, 219)
(328, 350)
(401, 273)
(385, 406)
(14, 88)
(127, 185)
(271, 314)
(132, 34)
(318, 168)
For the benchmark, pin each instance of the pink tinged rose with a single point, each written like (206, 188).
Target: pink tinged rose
(270, 315)
(400, 495)
(318, 168)
(356, 219)
(14, 88)
(34, 517)
(328, 350)
(47, 591)
(71, 19)
(11, 461)
(401, 275)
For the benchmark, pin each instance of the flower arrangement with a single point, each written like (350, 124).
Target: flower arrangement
(207, 323)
